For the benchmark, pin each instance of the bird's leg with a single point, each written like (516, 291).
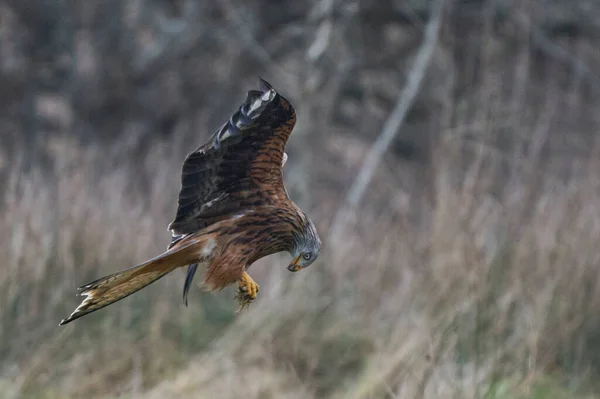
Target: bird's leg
(248, 290)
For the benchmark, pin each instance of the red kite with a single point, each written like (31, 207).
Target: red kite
(233, 209)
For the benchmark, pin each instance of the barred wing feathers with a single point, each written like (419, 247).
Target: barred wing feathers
(239, 168)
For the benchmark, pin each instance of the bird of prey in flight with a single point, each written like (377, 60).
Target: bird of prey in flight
(233, 210)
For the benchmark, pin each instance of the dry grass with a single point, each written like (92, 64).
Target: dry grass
(484, 302)
(470, 274)
(486, 290)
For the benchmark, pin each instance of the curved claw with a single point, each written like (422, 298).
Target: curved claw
(247, 291)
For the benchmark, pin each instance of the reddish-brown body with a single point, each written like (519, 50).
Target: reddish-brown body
(241, 241)
(233, 209)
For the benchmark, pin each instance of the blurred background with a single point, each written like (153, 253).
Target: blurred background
(464, 266)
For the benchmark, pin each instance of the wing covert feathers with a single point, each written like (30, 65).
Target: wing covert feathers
(239, 168)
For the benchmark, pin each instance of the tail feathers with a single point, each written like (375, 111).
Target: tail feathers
(112, 288)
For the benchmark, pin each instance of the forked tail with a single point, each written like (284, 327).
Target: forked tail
(114, 287)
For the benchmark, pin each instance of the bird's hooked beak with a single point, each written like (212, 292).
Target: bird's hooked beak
(295, 265)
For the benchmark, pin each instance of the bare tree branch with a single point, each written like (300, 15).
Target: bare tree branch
(394, 122)
(547, 46)
(323, 10)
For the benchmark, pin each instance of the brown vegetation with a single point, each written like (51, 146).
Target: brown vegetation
(470, 269)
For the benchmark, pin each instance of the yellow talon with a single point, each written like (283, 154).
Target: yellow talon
(248, 290)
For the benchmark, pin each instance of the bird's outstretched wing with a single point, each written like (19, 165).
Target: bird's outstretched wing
(239, 168)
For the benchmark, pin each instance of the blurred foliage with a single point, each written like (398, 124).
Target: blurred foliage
(471, 269)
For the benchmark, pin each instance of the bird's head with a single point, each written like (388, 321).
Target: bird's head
(307, 245)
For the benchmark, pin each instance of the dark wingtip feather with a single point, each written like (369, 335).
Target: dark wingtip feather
(255, 103)
(264, 85)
